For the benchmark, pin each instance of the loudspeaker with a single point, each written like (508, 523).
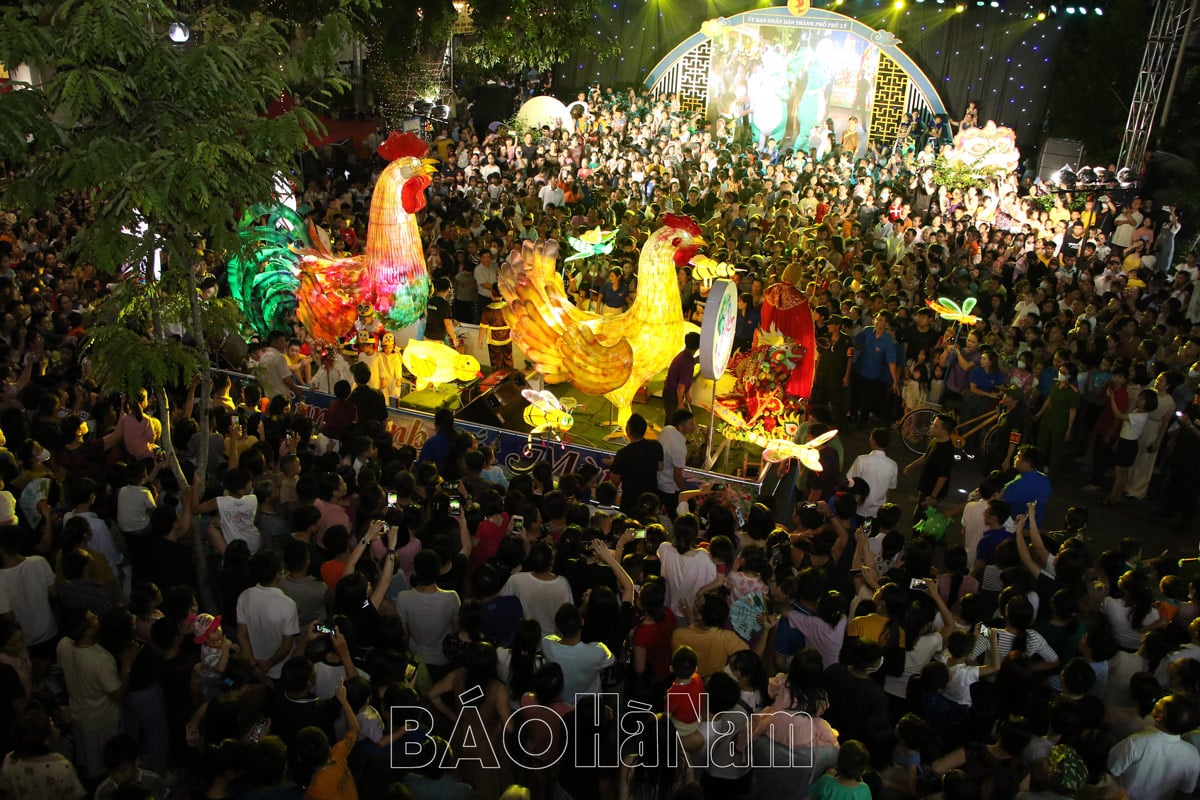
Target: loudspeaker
(501, 407)
(1059, 153)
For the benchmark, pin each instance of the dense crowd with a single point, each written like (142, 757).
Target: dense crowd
(341, 616)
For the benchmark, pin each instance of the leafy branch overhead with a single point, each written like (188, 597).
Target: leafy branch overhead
(535, 34)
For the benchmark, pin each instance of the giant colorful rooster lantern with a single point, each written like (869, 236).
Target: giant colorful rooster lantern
(287, 266)
(609, 355)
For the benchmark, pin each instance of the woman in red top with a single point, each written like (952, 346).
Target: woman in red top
(652, 643)
(492, 528)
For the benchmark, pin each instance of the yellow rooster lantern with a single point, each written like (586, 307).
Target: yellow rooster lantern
(776, 450)
(435, 363)
(609, 355)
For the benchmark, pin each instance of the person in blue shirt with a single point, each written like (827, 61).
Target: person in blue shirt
(876, 377)
(615, 294)
(1031, 484)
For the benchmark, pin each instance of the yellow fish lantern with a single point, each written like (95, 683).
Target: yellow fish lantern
(777, 450)
(546, 412)
(436, 363)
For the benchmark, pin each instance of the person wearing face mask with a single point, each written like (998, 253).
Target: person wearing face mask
(1056, 417)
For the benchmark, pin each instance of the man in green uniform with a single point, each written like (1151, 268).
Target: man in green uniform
(1056, 417)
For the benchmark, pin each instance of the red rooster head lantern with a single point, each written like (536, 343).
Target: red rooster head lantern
(689, 243)
(411, 152)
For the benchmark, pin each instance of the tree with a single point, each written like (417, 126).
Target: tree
(168, 143)
(518, 35)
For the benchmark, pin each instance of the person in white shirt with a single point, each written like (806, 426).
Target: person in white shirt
(486, 275)
(273, 371)
(686, 569)
(267, 620)
(1132, 424)
(581, 662)
(540, 591)
(236, 511)
(1157, 764)
(26, 585)
(674, 444)
(428, 611)
(333, 369)
(877, 470)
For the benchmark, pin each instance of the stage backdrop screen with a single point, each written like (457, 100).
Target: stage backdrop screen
(785, 78)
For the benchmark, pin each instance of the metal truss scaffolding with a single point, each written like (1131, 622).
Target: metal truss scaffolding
(1167, 32)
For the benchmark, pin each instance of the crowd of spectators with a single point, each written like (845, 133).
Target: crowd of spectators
(324, 614)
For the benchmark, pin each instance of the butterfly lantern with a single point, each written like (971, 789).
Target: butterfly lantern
(777, 450)
(546, 412)
(592, 243)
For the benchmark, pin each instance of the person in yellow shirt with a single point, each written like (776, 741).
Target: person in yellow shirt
(328, 767)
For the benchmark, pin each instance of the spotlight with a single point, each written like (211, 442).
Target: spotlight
(898, 5)
(1099, 11)
(178, 33)
(1066, 178)
(1041, 16)
(961, 7)
(1126, 177)
(994, 4)
(1087, 176)
(1070, 9)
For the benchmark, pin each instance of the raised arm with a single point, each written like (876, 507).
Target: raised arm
(626, 583)
(372, 533)
(387, 570)
(1023, 553)
(948, 626)
(1037, 546)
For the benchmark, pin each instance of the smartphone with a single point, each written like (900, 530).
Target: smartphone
(392, 497)
(1179, 414)
(866, 526)
(325, 630)
(917, 584)
(984, 630)
(518, 525)
(640, 533)
(741, 518)
(718, 487)
(234, 419)
(455, 506)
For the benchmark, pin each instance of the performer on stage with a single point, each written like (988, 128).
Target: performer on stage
(494, 331)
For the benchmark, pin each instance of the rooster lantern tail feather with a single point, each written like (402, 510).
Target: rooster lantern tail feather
(264, 275)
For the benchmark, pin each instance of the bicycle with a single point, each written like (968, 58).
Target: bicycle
(915, 428)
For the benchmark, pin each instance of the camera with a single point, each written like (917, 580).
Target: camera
(455, 507)
(391, 499)
(518, 525)
(917, 584)
(325, 630)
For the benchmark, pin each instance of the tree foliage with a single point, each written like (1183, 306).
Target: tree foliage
(174, 140)
(517, 35)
